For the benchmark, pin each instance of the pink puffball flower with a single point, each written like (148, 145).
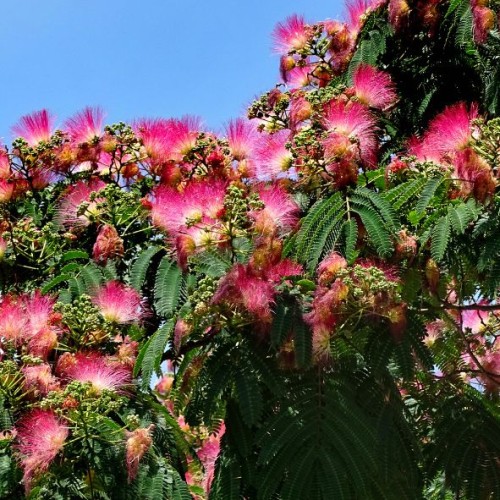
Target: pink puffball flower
(329, 267)
(350, 122)
(5, 171)
(39, 309)
(168, 139)
(292, 34)
(35, 127)
(272, 159)
(154, 134)
(450, 131)
(85, 126)
(243, 288)
(108, 245)
(300, 110)
(39, 379)
(118, 303)
(13, 321)
(373, 87)
(208, 454)
(41, 436)
(200, 203)
(280, 212)
(473, 320)
(6, 190)
(474, 175)
(137, 444)
(69, 206)
(299, 77)
(282, 269)
(102, 372)
(484, 22)
(241, 136)
(398, 13)
(358, 11)
(183, 134)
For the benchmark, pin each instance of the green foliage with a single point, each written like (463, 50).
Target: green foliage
(168, 287)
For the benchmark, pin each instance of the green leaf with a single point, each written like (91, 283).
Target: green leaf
(150, 356)
(167, 289)
(140, 267)
(440, 238)
(249, 397)
(351, 238)
(427, 193)
(54, 282)
(74, 254)
(377, 233)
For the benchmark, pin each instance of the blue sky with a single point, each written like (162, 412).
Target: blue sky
(141, 58)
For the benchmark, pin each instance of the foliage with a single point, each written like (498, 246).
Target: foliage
(306, 307)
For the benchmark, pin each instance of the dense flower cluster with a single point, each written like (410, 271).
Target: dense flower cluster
(317, 231)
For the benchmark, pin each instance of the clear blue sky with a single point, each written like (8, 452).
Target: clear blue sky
(141, 58)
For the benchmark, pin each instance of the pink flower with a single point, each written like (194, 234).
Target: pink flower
(108, 245)
(329, 267)
(39, 309)
(39, 379)
(474, 175)
(348, 122)
(6, 190)
(243, 288)
(100, 371)
(118, 303)
(5, 171)
(70, 214)
(398, 13)
(41, 436)
(373, 87)
(473, 320)
(293, 34)
(155, 137)
(137, 444)
(201, 203)
(449, 132)
(272, 158)
(484, 21)
(13, 321)
(241, 136)
(280, 212)
(324, 315)
(300, 109)
(299, 77)
(208, 454)
(36, 127)
(86, 125)
(183, 134)
(282, 269)
(433, 332)
(358, 11)
(168, 139)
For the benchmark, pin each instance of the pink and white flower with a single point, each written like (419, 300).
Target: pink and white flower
(35, 127)
(118, 303)
(85, 126)
(102, 372)
(41, 436)
(292, 34)
(373, 87)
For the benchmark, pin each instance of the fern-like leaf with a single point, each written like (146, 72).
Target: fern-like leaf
(440, 237)
(140, 267)
(167, 289)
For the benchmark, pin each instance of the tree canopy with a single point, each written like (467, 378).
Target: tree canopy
(304, 306)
